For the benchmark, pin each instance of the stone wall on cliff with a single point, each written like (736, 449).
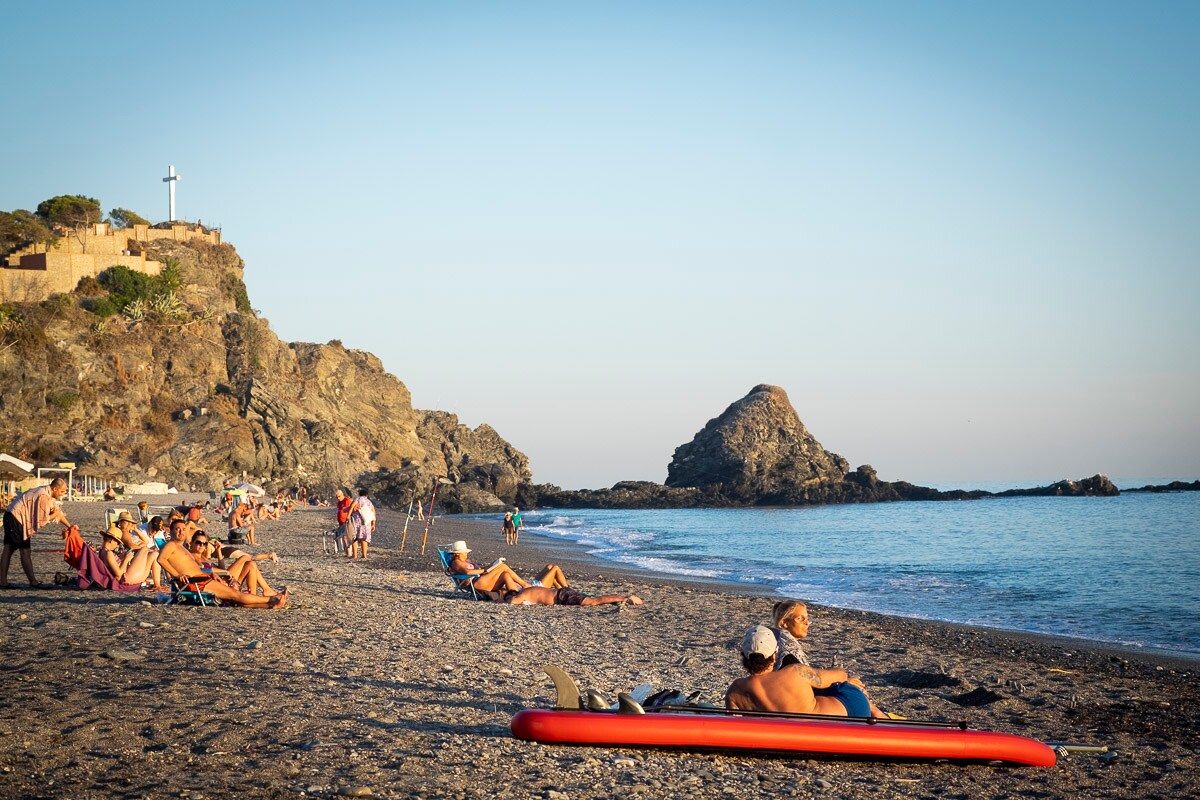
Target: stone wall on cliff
(217, 394)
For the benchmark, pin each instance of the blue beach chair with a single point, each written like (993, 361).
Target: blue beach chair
(462, 582)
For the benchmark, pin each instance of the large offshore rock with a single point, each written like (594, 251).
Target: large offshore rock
(757, 451)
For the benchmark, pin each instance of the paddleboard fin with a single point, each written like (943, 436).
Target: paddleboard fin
(627, 705)
(596, 701)
(566, 692)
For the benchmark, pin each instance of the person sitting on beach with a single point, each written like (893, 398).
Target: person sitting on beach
(221, 552)
(154, 530)
(566, 596)
(195, 514)
(791, 625)
(109, 494)
(268, 512)
(180, 564)
(132, 535)
(790, 689)
(241, 524)
(242, 574)
(136, 565)
(500, 577)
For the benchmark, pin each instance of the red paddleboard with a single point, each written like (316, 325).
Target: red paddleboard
(832, 737)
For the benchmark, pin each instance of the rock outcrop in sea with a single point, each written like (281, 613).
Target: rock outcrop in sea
(759, 453)
(197, 387)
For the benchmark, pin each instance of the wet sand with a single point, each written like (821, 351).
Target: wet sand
(380, 682)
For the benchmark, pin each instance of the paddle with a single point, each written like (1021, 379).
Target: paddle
(728, 712)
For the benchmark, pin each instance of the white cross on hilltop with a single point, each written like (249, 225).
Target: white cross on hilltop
(170, 181)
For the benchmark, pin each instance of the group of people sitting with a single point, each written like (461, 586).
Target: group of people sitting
(781, 679)
(501, 584)
(134, 555)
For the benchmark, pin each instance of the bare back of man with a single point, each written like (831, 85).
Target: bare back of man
(784, 690)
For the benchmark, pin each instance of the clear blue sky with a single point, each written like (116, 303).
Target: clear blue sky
(963, 236)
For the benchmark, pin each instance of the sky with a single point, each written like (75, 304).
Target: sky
(963, 237)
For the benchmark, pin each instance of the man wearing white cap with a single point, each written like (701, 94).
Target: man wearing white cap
(791, 688)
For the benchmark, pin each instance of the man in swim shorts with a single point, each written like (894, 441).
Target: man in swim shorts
(791, 688)
(566, 596)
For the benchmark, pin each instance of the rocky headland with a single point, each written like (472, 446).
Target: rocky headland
(189, 385)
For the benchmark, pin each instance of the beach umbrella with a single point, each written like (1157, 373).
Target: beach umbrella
(250, 488)
(11, 472)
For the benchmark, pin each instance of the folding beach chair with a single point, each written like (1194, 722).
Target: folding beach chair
(462, 582)
(333, 538)
(186, 590)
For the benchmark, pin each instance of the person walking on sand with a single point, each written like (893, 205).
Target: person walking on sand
(362, 524)
(510, 530)
(516, 521)
(22, 519)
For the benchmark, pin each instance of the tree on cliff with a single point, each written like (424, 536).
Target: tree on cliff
(70, 211)
(20, 228)
(124, 218)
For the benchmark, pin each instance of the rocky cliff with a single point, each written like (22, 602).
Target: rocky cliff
(758, 452)
(193, 387)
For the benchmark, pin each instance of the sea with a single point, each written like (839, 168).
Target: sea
(1122, 570)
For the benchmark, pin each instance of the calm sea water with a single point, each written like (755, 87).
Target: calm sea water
(1119, 569)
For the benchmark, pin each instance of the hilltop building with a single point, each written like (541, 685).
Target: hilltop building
(35, 272)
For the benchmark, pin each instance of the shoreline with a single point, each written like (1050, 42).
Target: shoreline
(381, 682)
(577, 554)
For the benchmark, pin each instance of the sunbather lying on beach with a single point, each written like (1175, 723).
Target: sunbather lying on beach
(500, 576)
(566, 596)
(182, 565)
(791, 688)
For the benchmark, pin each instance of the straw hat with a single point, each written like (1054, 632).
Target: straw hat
(125, 516)
(113, 532)
(459, 547)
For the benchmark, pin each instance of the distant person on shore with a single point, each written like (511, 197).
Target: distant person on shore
(791, 689)
(510, 530)
(566, 596)
(343, 519)
(22, 519)
(143, 511)
(500, 577)
(109, 494)
(362, 525)
(517, 522)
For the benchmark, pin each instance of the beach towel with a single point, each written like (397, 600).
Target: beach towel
(73, 546)
(91, 568)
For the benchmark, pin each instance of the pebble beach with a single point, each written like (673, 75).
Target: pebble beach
(379, 682)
